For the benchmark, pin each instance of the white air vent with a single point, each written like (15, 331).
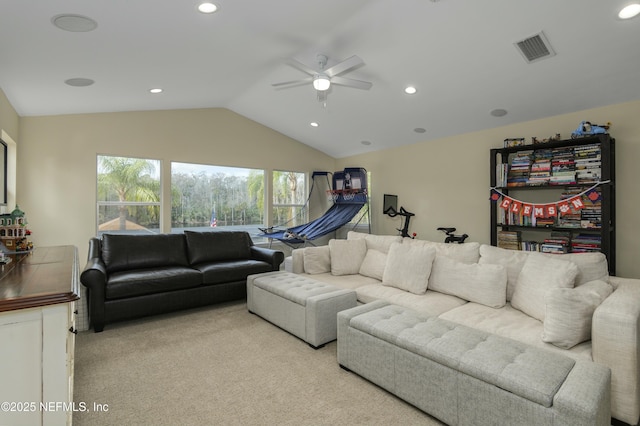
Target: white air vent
(535, 48)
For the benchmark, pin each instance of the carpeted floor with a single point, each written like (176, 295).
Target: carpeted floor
(221, 365)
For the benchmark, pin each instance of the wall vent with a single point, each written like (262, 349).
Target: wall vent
(535, 48)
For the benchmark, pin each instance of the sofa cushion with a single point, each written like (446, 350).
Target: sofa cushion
(569, 312)
(408, 267)
(138, 282)
(373, 264)
(512, 323)
(212, 246)
(466, 253)
(540, 274)
(316, 260)
(512, 260)
(377, 242)
(127, 252)
(230, 270)
(591, 266)
(480, 283)
(347, 256)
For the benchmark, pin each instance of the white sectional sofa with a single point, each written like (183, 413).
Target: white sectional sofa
(564, 303)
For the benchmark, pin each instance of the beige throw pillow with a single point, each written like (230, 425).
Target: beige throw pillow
(408, 267)
(513, 260)
(373, 264)
(540, 274)
(317, 260)
(484, 284)
(347, 256)
(569, 313)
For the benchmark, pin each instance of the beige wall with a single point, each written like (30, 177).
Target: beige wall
(445, 182)
(57, 159)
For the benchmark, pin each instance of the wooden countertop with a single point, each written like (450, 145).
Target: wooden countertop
(44, 276)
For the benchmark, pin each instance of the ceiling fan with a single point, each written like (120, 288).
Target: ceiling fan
(322, 78)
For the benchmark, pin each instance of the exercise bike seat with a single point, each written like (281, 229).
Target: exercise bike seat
(447, 230)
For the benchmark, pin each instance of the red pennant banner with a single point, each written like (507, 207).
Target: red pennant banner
(577, 203)
(564, 208)
(527, 209)
(515, 206)
(551, 210)
(506, 202)
(538, 211)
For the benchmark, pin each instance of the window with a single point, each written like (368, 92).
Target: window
(205, 196)
(289, 199)
(128, 195)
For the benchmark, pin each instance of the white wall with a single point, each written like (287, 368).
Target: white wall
(445, 182)
(57, 159)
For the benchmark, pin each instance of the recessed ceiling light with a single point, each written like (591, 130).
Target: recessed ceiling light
(419, 130)
(410, 90)
(367, 143)
(79, 82)
(74, 23)
(629, 11)
(313, 124)
(156, 90)
(499, 112)
(207, 7)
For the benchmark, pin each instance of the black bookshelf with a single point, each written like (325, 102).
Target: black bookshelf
(606, 231)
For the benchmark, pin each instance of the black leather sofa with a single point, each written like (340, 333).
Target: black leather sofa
(130, 276)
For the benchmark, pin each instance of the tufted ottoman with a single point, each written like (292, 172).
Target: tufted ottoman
(302, 306)
(465, 376)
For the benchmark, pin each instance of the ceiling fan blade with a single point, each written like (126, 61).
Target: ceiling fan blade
(343, 66)
(358, 84)
(302, 67)
(293, 83)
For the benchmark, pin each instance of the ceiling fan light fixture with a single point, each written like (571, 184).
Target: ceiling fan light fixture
(321, 82)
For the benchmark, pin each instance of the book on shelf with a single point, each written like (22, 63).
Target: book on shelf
(586, 243)
(557, 243)
(509, 240)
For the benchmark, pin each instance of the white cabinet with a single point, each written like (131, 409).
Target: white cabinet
(36, 355)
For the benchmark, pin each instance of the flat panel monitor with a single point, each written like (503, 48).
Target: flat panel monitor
(390, 204)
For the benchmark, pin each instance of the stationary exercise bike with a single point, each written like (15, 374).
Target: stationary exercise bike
(451, 237)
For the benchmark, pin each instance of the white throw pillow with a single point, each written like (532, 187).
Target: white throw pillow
(466, 253)
(317, 260)
(540, 274)
(513, 260)
(408, 267)
(347, 256)
(484, 284)
(569, 313)
(373, 264)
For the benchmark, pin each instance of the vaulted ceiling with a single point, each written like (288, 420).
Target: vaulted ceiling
(459, 54)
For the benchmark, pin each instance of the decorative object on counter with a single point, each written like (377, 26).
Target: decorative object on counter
(509, 142)
(14, 232)
(535, 140)
(587, 129)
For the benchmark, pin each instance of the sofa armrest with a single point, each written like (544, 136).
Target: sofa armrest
(615, 343)
(297, 261)
(272, 257)
(94, 278)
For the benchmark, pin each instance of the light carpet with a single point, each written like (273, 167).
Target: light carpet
(221, 365)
